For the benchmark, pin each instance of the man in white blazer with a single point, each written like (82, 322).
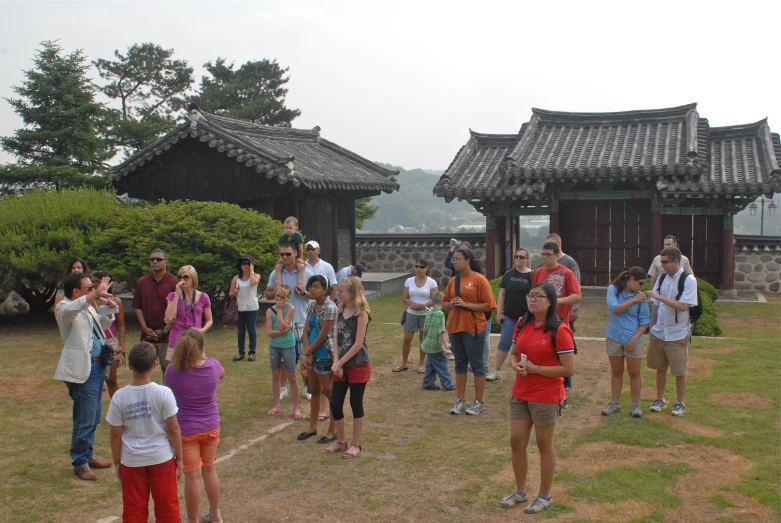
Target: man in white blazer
(81, 328)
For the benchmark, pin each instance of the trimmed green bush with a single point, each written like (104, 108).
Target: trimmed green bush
(207, 235)
(41, 231)
(495, 328)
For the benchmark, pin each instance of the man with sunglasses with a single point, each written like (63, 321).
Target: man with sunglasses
(150, 303)
(668, 344)
(319, 266)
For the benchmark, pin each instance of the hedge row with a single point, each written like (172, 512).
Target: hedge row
(46, 229)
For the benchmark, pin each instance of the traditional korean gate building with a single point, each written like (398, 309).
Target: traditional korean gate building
(275, 170)
(614, 184)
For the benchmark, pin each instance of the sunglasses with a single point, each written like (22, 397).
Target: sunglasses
(244, 263)
(156, 259)
(183, 277)
(665, 262)
(310, 248)
(521, 257)
(421, 267)
(286, 254)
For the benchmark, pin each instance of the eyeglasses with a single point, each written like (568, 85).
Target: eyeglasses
(286, 254)
(548, 254)
(421, 267)
(535, 297)
(244, 263)
(315, 287)
(156, 259)
(458, 259)
(521, 257)
(183, 277)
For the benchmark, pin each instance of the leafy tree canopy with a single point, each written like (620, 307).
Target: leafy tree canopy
(60, 144)
(364, 210)
(149, 86)
(254, 92)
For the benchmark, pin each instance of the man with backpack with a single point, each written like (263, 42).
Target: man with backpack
(672, 296)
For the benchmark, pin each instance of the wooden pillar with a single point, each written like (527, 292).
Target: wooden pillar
(554, 216)
(656, 227)
(727, 259)
(490, 247)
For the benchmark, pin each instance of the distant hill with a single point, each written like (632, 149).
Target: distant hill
(415, 205)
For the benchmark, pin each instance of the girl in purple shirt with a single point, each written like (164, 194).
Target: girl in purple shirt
(193, 378)
(188, 308)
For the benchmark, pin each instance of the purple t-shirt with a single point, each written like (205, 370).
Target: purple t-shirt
(187, 316)
(195, 391)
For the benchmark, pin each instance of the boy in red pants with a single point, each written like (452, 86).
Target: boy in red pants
(146, 442)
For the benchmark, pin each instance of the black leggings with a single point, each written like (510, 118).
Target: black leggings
(339, 393)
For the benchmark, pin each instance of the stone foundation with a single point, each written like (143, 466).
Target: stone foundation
(402, 259)
(758, 272)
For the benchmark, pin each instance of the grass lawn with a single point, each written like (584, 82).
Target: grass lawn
(721, 462)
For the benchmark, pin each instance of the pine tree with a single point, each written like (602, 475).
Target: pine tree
(60, 144)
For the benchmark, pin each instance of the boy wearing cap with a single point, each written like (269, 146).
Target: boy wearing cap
(350, 270)
(319, 266)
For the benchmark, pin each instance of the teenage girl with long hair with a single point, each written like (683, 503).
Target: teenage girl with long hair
(351, 369)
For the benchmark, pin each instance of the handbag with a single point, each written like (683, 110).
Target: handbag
(113, 342)
(231, 314)
(403, 317)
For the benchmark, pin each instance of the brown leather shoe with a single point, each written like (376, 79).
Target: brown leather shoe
(85, 473)
(96, 463)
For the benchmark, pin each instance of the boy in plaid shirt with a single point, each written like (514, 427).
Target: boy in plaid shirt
(434, 345)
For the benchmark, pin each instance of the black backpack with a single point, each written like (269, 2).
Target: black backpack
(695, 311)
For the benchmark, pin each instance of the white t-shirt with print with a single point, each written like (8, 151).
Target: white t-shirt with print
(142, 411)
(420, 295)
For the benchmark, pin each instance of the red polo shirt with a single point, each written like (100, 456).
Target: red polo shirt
(565, 283)
(150, 297)
(536, 344)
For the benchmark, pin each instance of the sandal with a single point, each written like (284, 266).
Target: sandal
(538, 505)
(401, 369)
(421, 370)
(336, 447)
(350, 454)
(325, 439)
(306, 435)
(513, 499)
(251, 357)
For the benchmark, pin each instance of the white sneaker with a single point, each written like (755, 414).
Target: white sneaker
(283, 393)
(494, 375)
(307, 395)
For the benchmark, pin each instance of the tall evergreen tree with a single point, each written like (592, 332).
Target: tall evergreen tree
(148, 84)
(254, 92)
(60, 144)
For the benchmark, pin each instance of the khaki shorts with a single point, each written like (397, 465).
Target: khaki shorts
(673, 354)
(615, 348)
(540, 413)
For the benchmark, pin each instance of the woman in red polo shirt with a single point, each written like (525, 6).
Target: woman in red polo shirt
(538, 390)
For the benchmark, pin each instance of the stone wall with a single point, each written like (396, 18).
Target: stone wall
(758, 263)
(398, 253)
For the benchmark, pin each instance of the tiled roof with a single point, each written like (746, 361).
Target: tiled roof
(673, 145)
(289, 155)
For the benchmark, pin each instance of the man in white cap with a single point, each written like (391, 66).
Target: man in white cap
(321, 267)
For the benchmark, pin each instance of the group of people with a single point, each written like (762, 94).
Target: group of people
(321, 319)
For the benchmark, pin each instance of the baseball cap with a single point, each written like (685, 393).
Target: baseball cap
(246, 257)
(360, 268)
(313, 244)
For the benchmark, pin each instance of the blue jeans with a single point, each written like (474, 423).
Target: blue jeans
(437, 365)
(87, 407)
(469, 349)
(506, 339)
(487, 346)
(248, 320)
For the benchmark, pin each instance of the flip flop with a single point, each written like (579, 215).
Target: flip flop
(323, 418)
(421, 370)
(401, 369)
(297, 416)
(325, 439)
(273, 412)
(349, 454)
(306, 435)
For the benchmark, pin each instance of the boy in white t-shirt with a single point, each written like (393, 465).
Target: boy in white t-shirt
(145, 434)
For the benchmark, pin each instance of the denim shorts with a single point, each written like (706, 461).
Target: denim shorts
(322, 367)
(278, 356)
(506, 338)
(469, 349)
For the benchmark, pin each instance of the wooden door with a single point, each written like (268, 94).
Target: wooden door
(606, 236)
(699, 238)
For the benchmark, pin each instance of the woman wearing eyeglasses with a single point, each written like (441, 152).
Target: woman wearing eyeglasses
(540, 365)
(244, 288)
(629, 318)
(510, 306)
(418, 291)
(188, 308)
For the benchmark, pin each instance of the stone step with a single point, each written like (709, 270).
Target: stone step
(384, 282)
(372, 295)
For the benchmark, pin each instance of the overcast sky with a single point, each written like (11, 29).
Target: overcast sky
(403, 82)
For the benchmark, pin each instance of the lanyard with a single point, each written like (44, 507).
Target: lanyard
(96, 328)
(192, 309)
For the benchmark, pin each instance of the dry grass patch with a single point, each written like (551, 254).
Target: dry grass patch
(717, 350)
(702, 367)
(684, 425)
(742, 399)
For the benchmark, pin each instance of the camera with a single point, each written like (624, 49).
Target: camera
(455, 242)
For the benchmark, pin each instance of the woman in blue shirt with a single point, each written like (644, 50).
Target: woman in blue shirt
(629, 318)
